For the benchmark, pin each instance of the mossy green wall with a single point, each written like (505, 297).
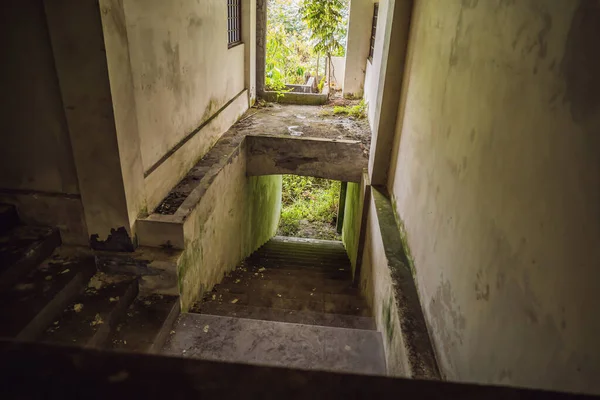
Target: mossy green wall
(263, 210)
(235, 216)
(351, 228)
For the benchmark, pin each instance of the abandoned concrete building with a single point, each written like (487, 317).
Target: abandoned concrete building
(141, 193)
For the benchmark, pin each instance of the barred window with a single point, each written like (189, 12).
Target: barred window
(373, 31)
(234, 22)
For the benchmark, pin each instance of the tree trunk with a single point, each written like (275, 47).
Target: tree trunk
(317, 77)
(329, 74)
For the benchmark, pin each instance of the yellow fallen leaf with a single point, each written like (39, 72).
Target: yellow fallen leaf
(78, 307)
(234, 301)
(97, 320)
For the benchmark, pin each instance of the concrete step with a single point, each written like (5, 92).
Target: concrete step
(325, 303)
(292, 263)
(9, 218)
(22, 249)
(282, 344)
(309, 243)
(92, 316)
(39, 297)
(303, 259)
(283, 315)
(147, 322)
(290, 282)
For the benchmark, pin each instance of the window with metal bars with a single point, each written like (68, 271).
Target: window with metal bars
(373, 31)
(234, 22)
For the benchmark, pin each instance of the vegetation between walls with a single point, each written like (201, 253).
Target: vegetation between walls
(352, 215)
(309, 207)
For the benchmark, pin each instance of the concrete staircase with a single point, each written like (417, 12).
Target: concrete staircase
(56, 294)
(289, 304)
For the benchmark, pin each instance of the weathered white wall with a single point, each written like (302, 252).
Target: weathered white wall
(38, 171)
(36, 149)
(182, 68)
(497, 180)
(338, 71)
(357, 48)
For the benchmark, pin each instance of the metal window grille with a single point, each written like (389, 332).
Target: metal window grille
(234, 22)
(373, 31)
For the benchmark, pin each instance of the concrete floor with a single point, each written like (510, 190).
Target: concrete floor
(305, 121)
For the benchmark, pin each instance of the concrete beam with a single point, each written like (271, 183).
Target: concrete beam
(249, 39)
(261, 45)
(395, 43)
(341, 160)
(357, 50)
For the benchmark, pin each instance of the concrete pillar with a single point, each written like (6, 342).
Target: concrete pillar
(357, 48)
(397, 27)
(249, 39)
(100, 115)
(261, 44)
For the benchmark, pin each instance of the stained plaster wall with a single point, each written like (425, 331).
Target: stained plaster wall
(357, 49)
(36, 156)
(373, 66)
(235, 216)
(36, 148)
(496, 178)
(183, 73)
(351, 227)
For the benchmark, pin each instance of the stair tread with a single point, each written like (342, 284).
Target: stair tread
(92, 310)
(287, 240)
(297, 282)
(295, 265)
(327, 303)
(275, 343)
(8, 217)
(34, 292)
(284, 315)
(142, 323)
(20, 244)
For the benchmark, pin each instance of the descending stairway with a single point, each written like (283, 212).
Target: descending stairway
(55, 294)
(292, 304)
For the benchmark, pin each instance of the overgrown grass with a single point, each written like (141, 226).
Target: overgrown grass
(357, 111)
(312, 200)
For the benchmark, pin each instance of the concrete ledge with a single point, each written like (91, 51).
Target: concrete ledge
(165, 176)
(66, 372)
(341, 160)
(314, 99)
(387, 281)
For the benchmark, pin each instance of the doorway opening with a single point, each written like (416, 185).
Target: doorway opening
(310, 208)
(305, 45)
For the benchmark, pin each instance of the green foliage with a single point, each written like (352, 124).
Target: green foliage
(325, 21)
(321, 84)
(290, 53)
(306, 198)
(357, 111)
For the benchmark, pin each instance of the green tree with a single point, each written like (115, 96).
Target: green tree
(325, 19)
